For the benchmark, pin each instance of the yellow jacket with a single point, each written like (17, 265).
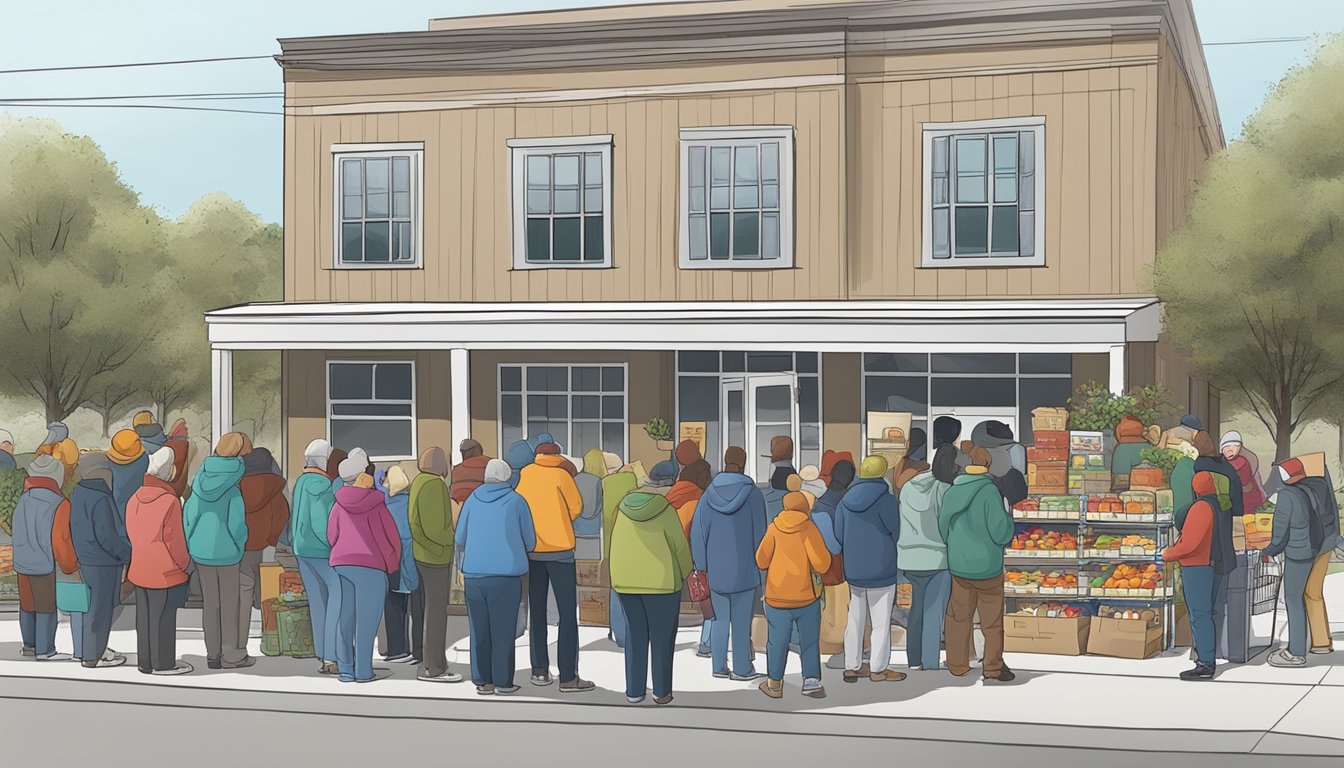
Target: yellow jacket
(790, 553)
(555, 502)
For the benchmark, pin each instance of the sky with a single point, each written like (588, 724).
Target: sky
(173, 157)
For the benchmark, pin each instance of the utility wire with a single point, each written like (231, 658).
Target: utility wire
(242, 95)
(1261, 41)
(138, 106)
(133, 64)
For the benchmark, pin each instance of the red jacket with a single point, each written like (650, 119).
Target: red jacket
(266, 507)
(467, 477)
(1196, 540)
(159, 557)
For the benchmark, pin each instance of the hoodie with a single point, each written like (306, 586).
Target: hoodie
(32, 525)
(126, 480)
(98, 539)
(267, 509)
(466, 477)
(431, 517)
(1194, 545)
(773, 491)
(313, 499)
(554, 499)
(921, 546)
(519, 455)
(215, 517)
(726, 530)
(791, 551)
(615, 487)
(868, 525)
(398, 505)
(683, 496)
(158, 541)
(495, 532)
(649, 552)
(976, 526)
(362, 532)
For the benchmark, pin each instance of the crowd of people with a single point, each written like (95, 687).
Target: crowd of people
(379, 549)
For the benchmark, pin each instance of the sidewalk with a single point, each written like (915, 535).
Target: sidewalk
(1096, 701)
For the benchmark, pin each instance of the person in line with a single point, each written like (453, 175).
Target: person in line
(1192, 551)
(1322, 493)
(791, 552)
(1298, 535)
(615, 485)
(913, 462)
(431, 518)
(314, 496)
(467, 475)
(365, 548)
(129, 463)
(404, 606)
(1230, 502)
(148, 429)
(650, 560)
(34, 559)
(267, 515)
(588, 526)
(159, 562)
(922, 554)
(520, 454)
(867, 525)
(686, 492)
(553, 498)
(810, 474)
(59, 446)
(775, 486)
(1247, 467)
(103, 550)
(727, 529)
(840, 472)
(180, 442)
(1130, 441)
(7, 462)
(216, 526)
(976, 525)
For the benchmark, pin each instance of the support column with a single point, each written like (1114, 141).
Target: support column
(459, 393)
(221, 393)
(1117, 373)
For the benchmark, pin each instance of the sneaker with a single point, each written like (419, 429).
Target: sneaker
(852, 676)
(1283, 658)
(1005, 676)
(703, 652)
(328, 668)
(400, 658)
(542, 679)
(1200, 672)
(577, 685)
(723, 674)
(181, 668)
(105, 662)
(243, 663)
(812, 688)
(28, 650)
(53, 656)
(505, 690)
(634, 699)
(773, 688)
(485, 690)
(447, 676)
(887, 676)
(214, 664)
(1322, 651)
(663, 701)
(752, 675)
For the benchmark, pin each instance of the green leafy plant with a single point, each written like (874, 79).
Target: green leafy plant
(658, 429)
(1162, 458)
(11, 487)
(1094, 407)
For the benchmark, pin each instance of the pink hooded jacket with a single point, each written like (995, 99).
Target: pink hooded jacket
(362, 532)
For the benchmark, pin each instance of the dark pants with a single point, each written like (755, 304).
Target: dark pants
(651, 627)
(435, 581)
(1200, 586)
(104, 583)
(930, 591)
(968, 597)
(156, 626)
(492, 610)
(544, 575)
(1295, 574)
(404, 611)
(1220, 629)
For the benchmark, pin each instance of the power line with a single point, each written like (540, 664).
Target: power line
(45, 105)
(185, 96)
(1261, 41)
(133, 64)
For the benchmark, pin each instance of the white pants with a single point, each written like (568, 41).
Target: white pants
(862, 601)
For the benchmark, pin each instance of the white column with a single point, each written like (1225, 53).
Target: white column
(1117, 378)
(459, 392)
(221, 393)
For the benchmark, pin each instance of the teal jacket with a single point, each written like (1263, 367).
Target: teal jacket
(313, 498)
(921, 546)
(214, 517)
(976, 526)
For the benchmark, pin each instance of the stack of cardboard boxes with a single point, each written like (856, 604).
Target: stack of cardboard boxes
(1090, 462)
(594, 582)
(1048, 456)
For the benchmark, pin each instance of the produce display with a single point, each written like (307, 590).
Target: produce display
(1130, 506)
(1040, 583)
(11, 487)
(1051, 610)
(1038, 542)
(1118, 545)
(6, 559)
(1047, 508)
(1149, 616)
(1129, 580)
(1259, 526)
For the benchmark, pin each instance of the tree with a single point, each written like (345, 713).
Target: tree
(1251, 284)
(110, 397)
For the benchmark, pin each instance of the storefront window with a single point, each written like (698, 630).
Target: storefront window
(581, 406)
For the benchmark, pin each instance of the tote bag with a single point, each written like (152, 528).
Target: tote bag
(72, 596)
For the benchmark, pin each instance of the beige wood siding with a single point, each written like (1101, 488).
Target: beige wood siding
(1182, 148)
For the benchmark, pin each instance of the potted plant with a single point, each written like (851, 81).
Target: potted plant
(661, 433)
(1094, 408)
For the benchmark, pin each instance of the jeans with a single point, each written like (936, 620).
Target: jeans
(542, 575)
(1220, 614)
(929, 594)
(784, 621)
(219, 592)
(492, 610)
(404, 617)
(104, 584)
(362, 593)
(77, 635)
(39, 631)
(1295, 575)
(1199, 584)
(732, 616)
(617, 621)
(435, 582)
(876, 601)
(706, 629)
(323, 587)
(652, 627)
(249, 593)
(156, 626)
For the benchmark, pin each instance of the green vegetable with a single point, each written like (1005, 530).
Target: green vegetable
(1162, 458)
(1094, 407)
(11, 487)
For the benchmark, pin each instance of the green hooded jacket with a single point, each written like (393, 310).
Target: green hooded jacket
(976, 527)
(431, 518)
(614, 488)
(649, 551)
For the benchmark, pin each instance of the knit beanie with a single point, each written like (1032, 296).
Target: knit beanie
(946, 430)
(95, 466)
(1231, 436)
(142, 419)
(842, 474)
(497, 471)
(735, 459)
(161, 464)
(317, 453)
(353, 466)
(126, 447)
(793, 483)
(397, 481)
(687, 452)
(796, 501)
(872, 467)
(470, 448)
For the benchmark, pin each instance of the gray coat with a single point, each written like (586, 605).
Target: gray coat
(1292, 526)
(589, 523)
(1326, 508)
(33, 518)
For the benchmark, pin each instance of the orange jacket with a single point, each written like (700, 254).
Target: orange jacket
(62, 544)
(790, 553)
(684, 496)
(554, 499)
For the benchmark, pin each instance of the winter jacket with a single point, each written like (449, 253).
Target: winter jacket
(214, 517)
(791, 551)
(554, 499)
(313, 499)
(467, 477)
(614, 488)
(1252, 492)
(266, 508)
(1193, 546)
(519, 455)
(1327, 508)
(976, 526)
(649, 552)
(431, 517)
(773, 491)
(1224, 552)
(159, 557)
(126, 479)
(906, 469)
(32, 527)
(589, 522)
(823, 514)
(683, 497)
(98, 540)
(921, 546)
(727, 529)
(399, 506)
(7, 462)
(1127, 456)
(1182, 496)
(362, 532)
(495, 532)
(868, 525)
(1293, 522)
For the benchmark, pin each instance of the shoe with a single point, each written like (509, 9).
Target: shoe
(634, 699)
(53, 656)
(812, 688)
(887, 676)
(400, 658)
(663, 701)
(346, 679)
(753, 675)
(181, 668)
(366, 679)
(243, 663)
(447, 676)
(213, 664)
(485, 690)
(1322, 651)
(773, 688)
(577, 685)
(1005, 676)
(852, 676)
(542, 679)
(703, 652)
(505, 690)
(916, 668)
(111, 654)
(723, 674)
(1283, 658)
(1200, 672)
(28, 650)
(105, 662)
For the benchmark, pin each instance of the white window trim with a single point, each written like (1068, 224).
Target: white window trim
(784, 135)
(569, 391)
(936, 130)
(519, 150)
(415, 417)
(345, 151)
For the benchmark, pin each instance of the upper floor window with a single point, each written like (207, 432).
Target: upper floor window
(561, 202)
(736, 197)
(984, 193)
(378, 204)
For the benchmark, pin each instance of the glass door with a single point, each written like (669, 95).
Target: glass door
(756, 409)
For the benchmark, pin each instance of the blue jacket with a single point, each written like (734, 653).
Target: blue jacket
(98, 540)
(7, 462)
(214, 517)
(519, 455)
(774, 490)
(823, 515)
(312, 499)
(399, 506)
(495, 532)
(126, 480)
(727, 529)
(868, 524)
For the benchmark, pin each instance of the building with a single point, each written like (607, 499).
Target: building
(756, 219)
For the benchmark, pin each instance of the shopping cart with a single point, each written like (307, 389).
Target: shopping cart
(1265, 577)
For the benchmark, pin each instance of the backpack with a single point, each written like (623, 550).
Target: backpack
(1012, 486)
(1224, 486)
(1315, 531)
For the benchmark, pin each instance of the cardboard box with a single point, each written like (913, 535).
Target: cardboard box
(1048, 490)
(1050, 439)
(591, 573)
(594, 606)
(1313, 463)
(1038, 454)
(1124, 638)
(1182, 628)
(1055, 474)
(270, 580)
(1046, 419)
(1036, 634)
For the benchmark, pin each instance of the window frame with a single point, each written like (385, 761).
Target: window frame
(519, 151)
(413, 418)
(737, 136)
(932, 131)
(569, 393)
(416, 149)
